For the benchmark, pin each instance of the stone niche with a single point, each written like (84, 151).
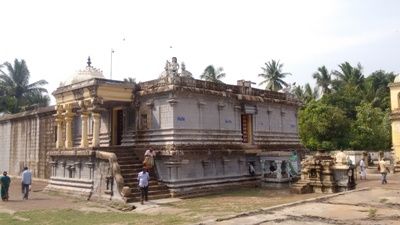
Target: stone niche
(322, 173)
(279, 168)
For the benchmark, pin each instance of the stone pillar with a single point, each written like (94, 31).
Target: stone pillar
(278, 169)
(59, 121)
(68, 126)
(60, 141)
(84, 138)
(96, 129)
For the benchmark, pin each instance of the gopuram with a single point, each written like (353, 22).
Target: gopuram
(208, 136)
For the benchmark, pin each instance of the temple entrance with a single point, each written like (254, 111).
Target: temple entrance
(247, 128)
(117, 126)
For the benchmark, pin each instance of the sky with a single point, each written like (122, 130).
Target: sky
(55, 38)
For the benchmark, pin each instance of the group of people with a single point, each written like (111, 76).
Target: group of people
(382, 168)
(26, 181)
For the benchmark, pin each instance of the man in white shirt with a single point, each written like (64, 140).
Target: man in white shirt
(143, 179)
(26, 181)
(363, 170)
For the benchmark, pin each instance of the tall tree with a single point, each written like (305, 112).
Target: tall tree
(371, 129)
(349, 76)
(305, 94)
(213, 74)
(16, 89)
(323, 78)
(323, 126)
(376, 90)
(273, 76)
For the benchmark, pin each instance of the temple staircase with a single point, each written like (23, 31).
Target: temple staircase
(131, 165)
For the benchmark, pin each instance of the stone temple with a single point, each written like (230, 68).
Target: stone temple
(207, 135)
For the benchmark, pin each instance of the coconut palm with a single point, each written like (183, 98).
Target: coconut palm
(213, 74)
(14, 84)
(349, 75)
(323, 78)
(273, 75)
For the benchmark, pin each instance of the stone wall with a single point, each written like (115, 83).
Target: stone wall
(26, 138)
(5, 143)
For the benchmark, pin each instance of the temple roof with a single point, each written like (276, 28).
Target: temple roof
(86, 74)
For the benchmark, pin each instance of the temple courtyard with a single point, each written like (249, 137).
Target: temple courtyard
(370, 203)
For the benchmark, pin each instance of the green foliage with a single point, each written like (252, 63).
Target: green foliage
(16, 93)
(213, 74)
(324, 80)
(354, 113)
(371, 129)
(323, 126)
(273, 76)
(306, 93)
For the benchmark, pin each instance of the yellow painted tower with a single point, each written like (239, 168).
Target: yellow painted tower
(395, 115)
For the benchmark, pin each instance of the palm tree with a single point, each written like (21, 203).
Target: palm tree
(15, 86)
(213, 74)
(273, 75)
(349, 75)
(323, 78)
(306, 93)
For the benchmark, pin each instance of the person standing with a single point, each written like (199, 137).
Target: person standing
(383, 169)
(143, 179)
(149, 158)
(5, 184)
(363, 170)
(26, 181)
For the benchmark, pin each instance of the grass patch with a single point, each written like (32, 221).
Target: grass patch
(372, 213)
(70, 216)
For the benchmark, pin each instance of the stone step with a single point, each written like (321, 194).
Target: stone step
(151, 188)
(131, 165)
(151, 197)
(132, 182)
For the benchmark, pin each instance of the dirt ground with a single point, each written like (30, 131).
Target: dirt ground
(370, 204)
(375, 204)
(37, 199)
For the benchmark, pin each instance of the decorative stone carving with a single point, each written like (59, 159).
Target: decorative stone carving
(341, 158)
(78, 94)
(184, 72)
(171, 70)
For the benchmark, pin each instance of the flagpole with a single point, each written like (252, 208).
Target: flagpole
(112, 51)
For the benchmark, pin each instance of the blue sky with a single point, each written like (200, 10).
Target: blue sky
(56, 37)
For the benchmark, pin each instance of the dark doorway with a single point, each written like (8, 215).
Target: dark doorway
(117, 126)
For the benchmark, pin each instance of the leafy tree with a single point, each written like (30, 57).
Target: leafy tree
(17, 93)
(213, 74)
(323, 126)
(371, 129)
(273, 76)
(323, 78)
(376, 90)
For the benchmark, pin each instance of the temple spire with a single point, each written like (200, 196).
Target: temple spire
(88, 61)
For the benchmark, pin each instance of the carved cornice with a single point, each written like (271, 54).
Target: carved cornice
(78, 93)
